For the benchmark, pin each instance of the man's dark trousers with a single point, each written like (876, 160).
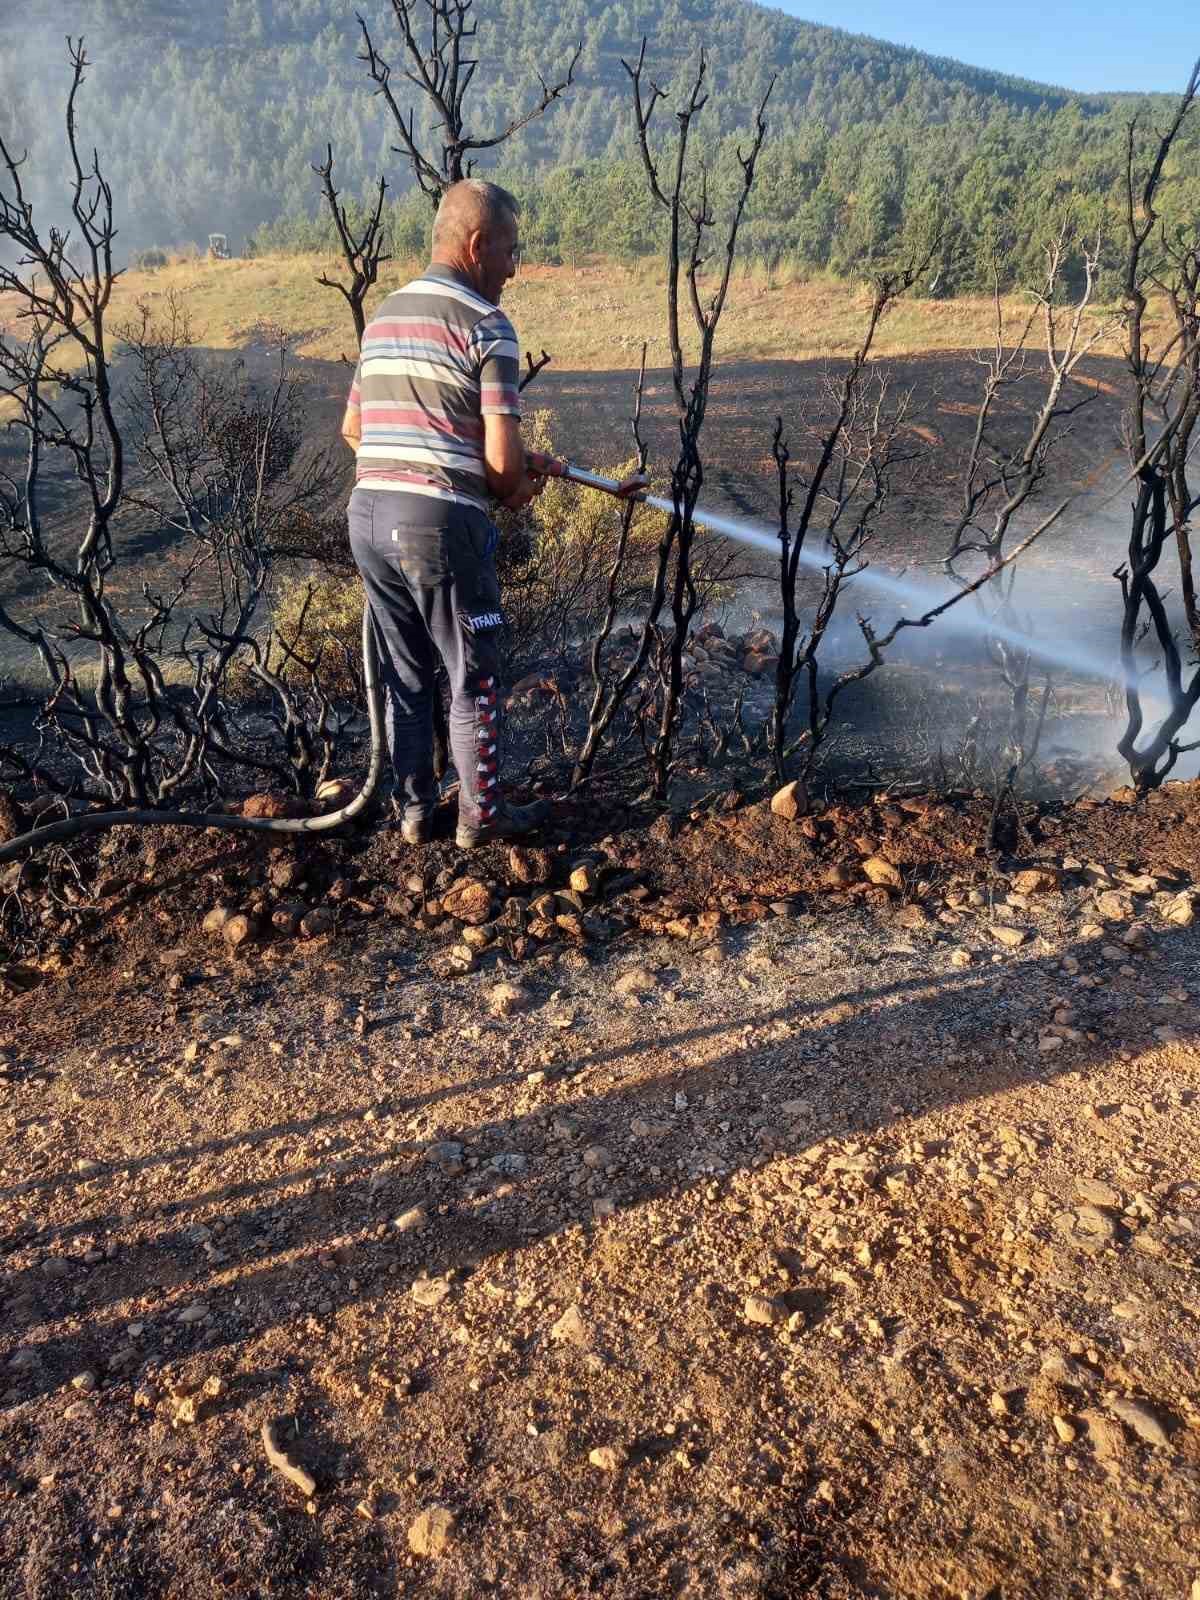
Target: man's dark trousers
(429, 570)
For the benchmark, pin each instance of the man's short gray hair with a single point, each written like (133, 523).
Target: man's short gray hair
(472, 206)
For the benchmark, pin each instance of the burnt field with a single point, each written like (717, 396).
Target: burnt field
(938, 681)
(589, 419)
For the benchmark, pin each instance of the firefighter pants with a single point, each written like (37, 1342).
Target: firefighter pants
(429, 570)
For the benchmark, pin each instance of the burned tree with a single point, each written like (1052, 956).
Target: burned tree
(1001, 474)
(846, 489)
(439, 66)
(1160, 426)
(441, 72)
(128, 421)
(60, 382)
(610, 691)
(225, 475)
(685, 197)
(855, 458)
(1005, 468)
(362, 246)
(843, 494)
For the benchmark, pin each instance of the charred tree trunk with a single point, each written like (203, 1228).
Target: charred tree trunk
(1164, 404)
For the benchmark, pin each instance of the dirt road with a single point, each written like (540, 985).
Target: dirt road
(849, 1251)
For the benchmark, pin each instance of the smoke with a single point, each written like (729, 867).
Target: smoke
(145, 111)
(35, 82)
(193, 112)
(28, 91)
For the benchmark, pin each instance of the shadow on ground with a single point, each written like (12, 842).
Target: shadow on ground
(274, 1235)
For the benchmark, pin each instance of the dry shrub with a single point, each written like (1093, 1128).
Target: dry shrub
(316, 622)
(319, 619)
(555, 558)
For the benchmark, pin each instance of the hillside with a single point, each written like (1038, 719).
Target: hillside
(209, 117)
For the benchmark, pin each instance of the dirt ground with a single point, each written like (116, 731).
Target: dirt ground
(731, 1225)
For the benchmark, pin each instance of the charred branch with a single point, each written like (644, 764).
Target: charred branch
(439, 67)
(362, 247)
(856, 453)
(1161, 416)
(692, 223)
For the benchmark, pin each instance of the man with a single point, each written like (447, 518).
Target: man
(434, 419)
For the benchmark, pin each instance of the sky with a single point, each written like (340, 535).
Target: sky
(1092, 45)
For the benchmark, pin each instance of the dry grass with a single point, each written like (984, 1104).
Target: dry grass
(591, 318)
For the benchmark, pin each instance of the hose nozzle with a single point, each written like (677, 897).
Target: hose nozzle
(552, 467)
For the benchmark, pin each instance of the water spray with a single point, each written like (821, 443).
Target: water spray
(906, 592)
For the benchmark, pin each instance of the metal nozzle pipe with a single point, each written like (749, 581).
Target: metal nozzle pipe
(593, 480)
(552, 467)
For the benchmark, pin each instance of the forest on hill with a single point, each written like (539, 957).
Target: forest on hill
(209, 118)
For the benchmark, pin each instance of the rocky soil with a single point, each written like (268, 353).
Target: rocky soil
(759, 1204)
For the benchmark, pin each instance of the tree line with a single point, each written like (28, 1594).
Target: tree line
(210, 119)
(843, 201)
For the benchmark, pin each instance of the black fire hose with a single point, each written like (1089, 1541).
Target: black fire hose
(98, 821)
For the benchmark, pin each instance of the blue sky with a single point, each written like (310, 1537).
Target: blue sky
(1081, 44)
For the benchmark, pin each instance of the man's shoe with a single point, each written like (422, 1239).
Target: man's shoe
(417, 830)
(509, 822)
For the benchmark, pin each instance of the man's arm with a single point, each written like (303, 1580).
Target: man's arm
(352, 427)
(494, 345)
(352, 421)
(505, 466)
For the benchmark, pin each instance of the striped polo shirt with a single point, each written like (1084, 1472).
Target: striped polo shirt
(436, 359)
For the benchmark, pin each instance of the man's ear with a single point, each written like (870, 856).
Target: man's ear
(475, 247)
